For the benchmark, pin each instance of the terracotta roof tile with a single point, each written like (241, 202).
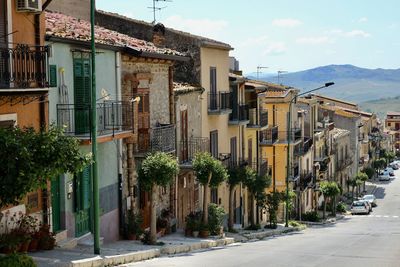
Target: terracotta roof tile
(64, 26)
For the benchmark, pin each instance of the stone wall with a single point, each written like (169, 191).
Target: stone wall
(76, 8)
(184, 71)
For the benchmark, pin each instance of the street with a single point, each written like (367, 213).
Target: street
(360, 240)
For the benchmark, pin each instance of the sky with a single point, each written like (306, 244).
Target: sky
(284, 35)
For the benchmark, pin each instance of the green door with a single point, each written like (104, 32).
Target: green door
(82, 95)
(82, 202)
(55, 204)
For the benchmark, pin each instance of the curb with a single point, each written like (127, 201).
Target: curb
(251, 237)
(329, 221)
(98, 261)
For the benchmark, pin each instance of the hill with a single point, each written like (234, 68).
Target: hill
(382, 106)
(351, 83)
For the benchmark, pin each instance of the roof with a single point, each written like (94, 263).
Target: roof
(185, 88)
(335, 99)
(68, 27)
(339, 111)
(362, 113)
(393, 113)
(267, 85)
(204, 40)
(276, 93)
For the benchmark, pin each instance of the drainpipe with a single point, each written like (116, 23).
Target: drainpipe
(172, 120)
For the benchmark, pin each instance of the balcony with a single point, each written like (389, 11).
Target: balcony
(302, 148)
(257, 119)
(113, 118)
(268, 136)
(295, 174)
(306, 180)
(159, 138)
(239, 115)
(219, 103)
(24, 67)
(344, 163)
(189, 148)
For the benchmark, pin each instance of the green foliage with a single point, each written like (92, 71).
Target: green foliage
(134, 222)
(352, 182)
(215, 218)
(389, 156)
(311, 216)
(370, 172)
(290, 198)
(30, 158)
(235, 176)
(362, 176)
(341, 207)
(20, 260)
(329, 189)
(205, 165)
(193, 220)
(295, 224)
(379, 164)
(256, 184)
(272, 202)
(157, 169)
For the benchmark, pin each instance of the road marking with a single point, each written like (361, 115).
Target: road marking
(386, 216)
(395, 216)
(377, 216)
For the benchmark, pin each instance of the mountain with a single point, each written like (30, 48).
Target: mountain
(382, 106)
(351, 83)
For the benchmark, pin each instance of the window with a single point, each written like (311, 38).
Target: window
(213, 80)
(233, 150)
(214, 195)
(214, 143)
(8, 120)
(3, 23)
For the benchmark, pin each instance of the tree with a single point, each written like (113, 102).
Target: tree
(370, 172)
(157, 169)
(362, 177)
(290, 199)
(272, 202)
(379, 164)
(329, 190)
(210, 173)
(256, 185)
(29, 159)
(235, 177)
(389, 156)
(352, 183)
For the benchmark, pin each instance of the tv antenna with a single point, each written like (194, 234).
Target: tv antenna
(259, 70)
(279, 74)
(155, 8)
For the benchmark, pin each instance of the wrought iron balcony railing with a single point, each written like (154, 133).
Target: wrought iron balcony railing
(259, 119)
(24, 67)
(189, 148)
(112, 117)
(268, 136)
(306, 180)
(219, 102)
(239, 113)
(162, 138)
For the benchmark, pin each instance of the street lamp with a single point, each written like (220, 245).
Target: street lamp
(289, 126)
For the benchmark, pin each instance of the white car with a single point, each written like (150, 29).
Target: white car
(359, 206)
(371, 199)
(384, 177)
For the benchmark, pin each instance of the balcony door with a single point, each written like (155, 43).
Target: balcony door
(144, 120)
(82, 92)
(82, 202)
(184, 135)
(213, 88)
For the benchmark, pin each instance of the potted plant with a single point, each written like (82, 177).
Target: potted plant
(204, 231)
(46, 239)
(133, 229)
(162, 225)
(33, 245)
(196, 228)
(215, 219)
(193, 221)
(9, 243)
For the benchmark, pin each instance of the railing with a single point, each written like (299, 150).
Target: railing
(112, 117)
(261, 166)
(24, 67)
(268, 136)
(307, 144)
(218, 102)
(305, 180)
(239, 113)
(189, 148)
(162, 138)
(295, 172)
(258, 118)
(342, 164)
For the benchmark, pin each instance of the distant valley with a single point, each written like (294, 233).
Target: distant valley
(351, 83)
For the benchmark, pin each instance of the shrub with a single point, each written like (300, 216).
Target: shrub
(294, 223)
(215, 218)
(253, 227)
(311, 216)
(20, 260)
(341, 207)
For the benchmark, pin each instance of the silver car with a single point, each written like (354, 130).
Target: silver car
(371, 199)
(360, 206)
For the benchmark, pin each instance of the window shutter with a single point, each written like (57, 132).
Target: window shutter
(53, 75)
(82, 95)
(85, 188)
(3, 24)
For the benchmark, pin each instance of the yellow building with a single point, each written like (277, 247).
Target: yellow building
(392, 123)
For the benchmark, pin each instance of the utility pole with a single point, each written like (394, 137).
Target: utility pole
(279, 74)
(95, 178)
(259, 70)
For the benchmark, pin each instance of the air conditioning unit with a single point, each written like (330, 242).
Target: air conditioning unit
(29, 5)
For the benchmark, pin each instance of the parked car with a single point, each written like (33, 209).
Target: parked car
(359, 206)
(366, 202)
(371, 199)
(384, 177)
(394, 165)
(388, 171)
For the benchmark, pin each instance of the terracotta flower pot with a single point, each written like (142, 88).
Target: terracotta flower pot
(33, 245)
(204, 233)
(188, 232)
(24, 246)
(195, 233)
(131, 236)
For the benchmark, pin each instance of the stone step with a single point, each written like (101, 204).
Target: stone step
(88, 240)
(61, 235)
(68, 243)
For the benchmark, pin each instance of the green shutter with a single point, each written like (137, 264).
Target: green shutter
(85, 188)
(82, 95)
(53, 75)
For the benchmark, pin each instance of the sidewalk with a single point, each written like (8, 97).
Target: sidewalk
(125, 251)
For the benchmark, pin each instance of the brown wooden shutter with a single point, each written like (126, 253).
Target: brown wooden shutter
(3, 24)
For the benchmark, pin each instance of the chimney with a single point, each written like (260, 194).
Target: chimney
(159, 35)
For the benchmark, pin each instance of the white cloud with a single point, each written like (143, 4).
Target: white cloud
(204, 27)
(362, 20)
(287, 23)
(357, 33)
(254, 41)
(275, 49)
(315, 40)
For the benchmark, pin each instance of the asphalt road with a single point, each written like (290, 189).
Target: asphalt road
(360, 240)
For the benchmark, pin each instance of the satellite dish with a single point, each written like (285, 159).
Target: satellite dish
(104, 94)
